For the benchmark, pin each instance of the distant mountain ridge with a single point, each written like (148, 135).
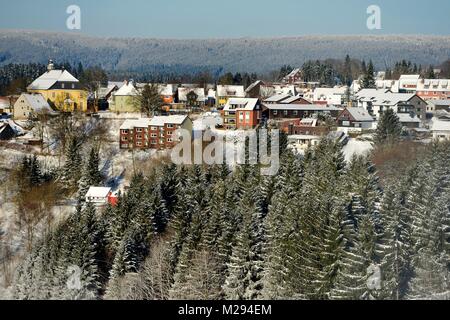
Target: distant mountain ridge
(244, 55)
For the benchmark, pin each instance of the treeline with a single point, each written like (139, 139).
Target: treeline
(14, 78)
(319, 229)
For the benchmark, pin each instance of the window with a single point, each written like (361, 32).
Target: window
(169, 140)
(169, 133)
(154, 135)
(73, 86)
(170, 125)
(154, 128)
(62, 85)
(241, 116)
(124, 131)
(275, 112)
(139, 144)
(153, 142)
(139, 136)
(124, 138)
(286, 112)
(247, 116)
(139, 130)
(295, 113)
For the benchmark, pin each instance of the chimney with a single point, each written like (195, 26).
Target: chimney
(50, 66)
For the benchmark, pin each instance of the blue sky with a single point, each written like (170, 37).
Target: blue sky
(227, 18)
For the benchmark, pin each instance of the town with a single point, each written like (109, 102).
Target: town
(92, 145)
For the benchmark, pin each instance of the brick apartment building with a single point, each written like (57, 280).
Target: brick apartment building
(155, 133)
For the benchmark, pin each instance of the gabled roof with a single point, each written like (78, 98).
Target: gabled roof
(49, 78)
(381, 97)
(293, 99)
(440, 125)
(183, 92)
(300, 107)
(407, 118)
(230, 91)
(36, 101)
(128, 89)
(248, 104)
(98, 192)
(253, 85)
(278, 98)
(360, 114)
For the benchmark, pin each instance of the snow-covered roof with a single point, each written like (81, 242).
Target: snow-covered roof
(253, 85)
(98, 192)
(248, 104)
(407, 118)
(49, 78)
(36, 101)
(4, 102)
(439, 102)
(383, 97)
(128, 89)
(278, 98)
(162, 120)
(183, 92)
(301, 107)
(360, 114)
(157, 121)
(135, 123)
(293, 99)
(440, 125)
(230, 91)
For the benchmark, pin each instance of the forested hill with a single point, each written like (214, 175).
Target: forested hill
(215, 55)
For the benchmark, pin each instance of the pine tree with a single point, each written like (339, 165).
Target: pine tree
(389, 128)
(71, 171)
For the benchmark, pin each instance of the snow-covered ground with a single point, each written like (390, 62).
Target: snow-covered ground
(358, 147)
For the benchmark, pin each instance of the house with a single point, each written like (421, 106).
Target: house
(289, 111)
(440, 127)
(167, 92)
(295, 100)
(30, 104)
(294, 76)
(211, 98)
(376, 101)
(225, 92)
(192, 98)
(410, 121)
(6, 104)
(433, 89)
(330, 96)
(124, 99)
(306, 126)
(61, 89)
(355, 119)
(104, 95)
(254, 90)
(6, 131)
(438, 105)
(408, 83)
(241, 113)
(154, 133)
(101, 196)
(277, 98)
(301, 142)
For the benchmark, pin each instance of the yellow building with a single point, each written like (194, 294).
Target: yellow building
(225, 92)
(62, 90)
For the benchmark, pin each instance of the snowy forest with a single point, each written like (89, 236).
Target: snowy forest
(322, 228)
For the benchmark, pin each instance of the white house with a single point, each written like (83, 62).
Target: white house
(377, 101)
(440, 127)
(98, 195)
(30, 103)
(331, 96)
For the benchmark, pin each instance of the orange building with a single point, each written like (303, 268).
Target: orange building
(241, 113)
